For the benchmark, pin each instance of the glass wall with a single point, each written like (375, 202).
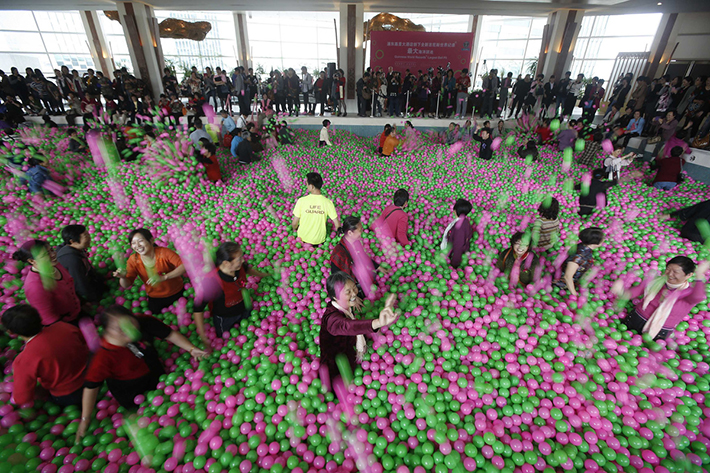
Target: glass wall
(281, 40)
(43, 40)
(602, 38)
(115, 42)
(509, 44)
(219, 48)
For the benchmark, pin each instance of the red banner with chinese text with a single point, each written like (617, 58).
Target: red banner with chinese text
(417, 50)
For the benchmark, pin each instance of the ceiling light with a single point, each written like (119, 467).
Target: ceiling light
(659, 3)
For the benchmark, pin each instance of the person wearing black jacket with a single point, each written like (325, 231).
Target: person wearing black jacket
(520, 91)
(588, 201)
(619, 95)
(529, 150)
(361, 103)
(485, 139)
(245, 151)
(691, 215)
(88, 283)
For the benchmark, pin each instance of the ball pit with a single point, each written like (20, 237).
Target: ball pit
(474, 376)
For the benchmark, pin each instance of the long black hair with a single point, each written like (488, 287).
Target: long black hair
(349, 225)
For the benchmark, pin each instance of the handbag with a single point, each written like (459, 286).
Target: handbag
(699, 142)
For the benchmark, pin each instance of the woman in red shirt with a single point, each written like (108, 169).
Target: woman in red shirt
(206, 156)
(127, 360)
(48, 286)
(161, 270)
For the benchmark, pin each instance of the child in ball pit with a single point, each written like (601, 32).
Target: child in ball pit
(341, 333)
(226, 299)
(458, 233)
(576, 265)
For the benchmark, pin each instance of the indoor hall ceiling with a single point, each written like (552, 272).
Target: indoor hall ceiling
(482, 7)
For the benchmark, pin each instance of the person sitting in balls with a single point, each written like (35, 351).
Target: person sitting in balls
(383, 137)
(225, 288)
(55, 355)
(595, 196)
(341, 333)
(48, 286)
(576, 265)
(669, 170)
(88, 283)
(518, 260)
(394, 221)
(666, 300)
(458, 233)
(160, 268)
(127, 360)
(529, 150)
(391, 142)
(692, 215)
(206, 156)
(546, 228)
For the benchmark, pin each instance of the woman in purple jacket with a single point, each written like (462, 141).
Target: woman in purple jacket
(458, 233)
(341, 333)
(666, 300)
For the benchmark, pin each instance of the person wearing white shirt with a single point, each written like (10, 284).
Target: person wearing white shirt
(306, 89)
(242, 121)
(324, 136)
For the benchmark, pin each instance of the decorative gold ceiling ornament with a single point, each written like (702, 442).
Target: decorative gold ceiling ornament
(175, 28)
(390, 22)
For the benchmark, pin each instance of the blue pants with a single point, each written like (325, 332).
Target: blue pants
(665, 186)
(393, 106)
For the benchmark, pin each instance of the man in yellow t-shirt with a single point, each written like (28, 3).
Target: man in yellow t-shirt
(311, 212)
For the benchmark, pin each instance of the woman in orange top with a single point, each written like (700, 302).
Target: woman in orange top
(161, 270)
(390, 143)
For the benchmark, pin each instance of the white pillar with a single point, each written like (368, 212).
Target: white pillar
(564, 28)
(98, 45)
(143, 37)
(242, 35)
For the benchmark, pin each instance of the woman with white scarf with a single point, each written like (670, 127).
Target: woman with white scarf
(341, 333)
(667, 299)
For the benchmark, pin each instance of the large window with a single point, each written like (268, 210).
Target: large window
(43, 40)
(602, 38)
(219, 48)
(115, 42)
(509, 44)
(280, 40)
